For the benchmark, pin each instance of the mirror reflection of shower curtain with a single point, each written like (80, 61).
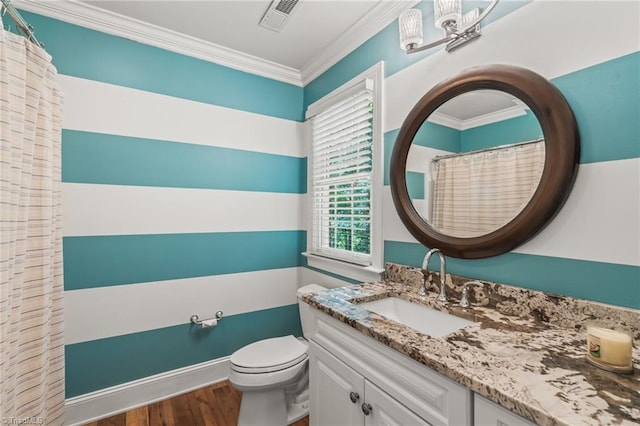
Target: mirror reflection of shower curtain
(477, 193)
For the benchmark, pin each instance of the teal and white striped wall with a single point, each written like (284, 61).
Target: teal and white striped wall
(591, 249)
(184, 184)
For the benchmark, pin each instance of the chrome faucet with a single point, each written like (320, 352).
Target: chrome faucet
(464, 299)
(442, 297)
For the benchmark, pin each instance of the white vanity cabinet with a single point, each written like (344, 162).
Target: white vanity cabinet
(337, 390)
(348, 369)
(487, 413)
(341, 396)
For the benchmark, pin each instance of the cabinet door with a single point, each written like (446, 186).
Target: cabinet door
(487, 413)
(336, 391)
(386, 411)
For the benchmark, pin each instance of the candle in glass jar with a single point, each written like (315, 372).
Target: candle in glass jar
(609, 346)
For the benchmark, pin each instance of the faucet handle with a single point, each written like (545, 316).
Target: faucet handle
(422, 291)
(464, 299)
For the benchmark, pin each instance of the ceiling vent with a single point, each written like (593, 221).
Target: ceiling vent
(276, 15)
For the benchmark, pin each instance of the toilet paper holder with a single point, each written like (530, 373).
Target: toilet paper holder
(204, 323)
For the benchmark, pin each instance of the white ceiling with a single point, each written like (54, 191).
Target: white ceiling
(317, 35)
(311, 28)
(478, 108)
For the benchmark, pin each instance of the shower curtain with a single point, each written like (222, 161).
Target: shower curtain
(31, 289)
(477, 193)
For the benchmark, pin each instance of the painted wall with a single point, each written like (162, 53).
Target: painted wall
(183, 181)
(184, 184)
(591, 249)
(518, 129)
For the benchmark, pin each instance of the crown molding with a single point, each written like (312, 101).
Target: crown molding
(384, 13)
(92, 17)
(494, 117)
(481, 120)
(88, 16)
(445, 120)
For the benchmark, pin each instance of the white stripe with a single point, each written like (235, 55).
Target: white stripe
(393, 229)
(94, 106)
(420, 157)
(91, 209)
(102, 312)
(309, 276)
(599, 222)
(552, 38)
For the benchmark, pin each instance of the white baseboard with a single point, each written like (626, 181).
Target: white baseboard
(97, 405)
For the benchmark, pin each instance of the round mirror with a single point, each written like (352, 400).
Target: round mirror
(484, 161)
(475, 163)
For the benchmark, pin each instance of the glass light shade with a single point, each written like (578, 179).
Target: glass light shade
(468, 18)
(446, 10)
(410, 26)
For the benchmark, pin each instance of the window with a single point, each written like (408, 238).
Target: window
(344, 176)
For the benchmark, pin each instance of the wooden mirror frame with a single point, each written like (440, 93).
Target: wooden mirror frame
(562, 152)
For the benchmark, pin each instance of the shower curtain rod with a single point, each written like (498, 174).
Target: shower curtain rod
(441, 157)
(23, 26)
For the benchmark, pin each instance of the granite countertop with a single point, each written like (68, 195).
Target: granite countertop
(526, 352)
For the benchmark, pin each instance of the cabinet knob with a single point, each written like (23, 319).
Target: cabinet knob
(366, 408)
(354, 397)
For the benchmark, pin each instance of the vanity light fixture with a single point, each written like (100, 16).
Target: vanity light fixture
(458, 28)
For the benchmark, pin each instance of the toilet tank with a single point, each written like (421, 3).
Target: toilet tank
(305, 310)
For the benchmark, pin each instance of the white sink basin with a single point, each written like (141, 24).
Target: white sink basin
(422, 318)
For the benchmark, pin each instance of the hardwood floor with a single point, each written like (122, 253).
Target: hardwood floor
(216, 405)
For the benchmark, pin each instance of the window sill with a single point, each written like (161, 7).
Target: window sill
(346, 269)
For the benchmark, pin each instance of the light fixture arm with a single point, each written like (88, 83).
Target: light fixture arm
(479, 19)
(443, 40)
(457, 38)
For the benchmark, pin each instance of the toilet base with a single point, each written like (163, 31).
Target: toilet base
(297, 411)
(270, 408)
(275, 407)
(263, 408)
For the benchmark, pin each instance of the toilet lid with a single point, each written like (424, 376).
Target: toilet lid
(269, 354)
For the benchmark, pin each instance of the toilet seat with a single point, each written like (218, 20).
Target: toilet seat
(269, 355)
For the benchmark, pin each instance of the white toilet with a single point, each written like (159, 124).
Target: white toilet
(273, 376)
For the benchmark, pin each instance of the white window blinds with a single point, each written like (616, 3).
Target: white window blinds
(341, 173)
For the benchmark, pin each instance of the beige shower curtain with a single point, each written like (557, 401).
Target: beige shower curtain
(31, 289)
(477, 193)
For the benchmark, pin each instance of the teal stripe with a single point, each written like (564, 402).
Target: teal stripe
(385, 46)
(415, 185)
(597, 281)
(85, 53)
(99, 364)
(100, 261)
(445, 139)
(120, 160)
(604, 99)
(438, 136)
(517, 129)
